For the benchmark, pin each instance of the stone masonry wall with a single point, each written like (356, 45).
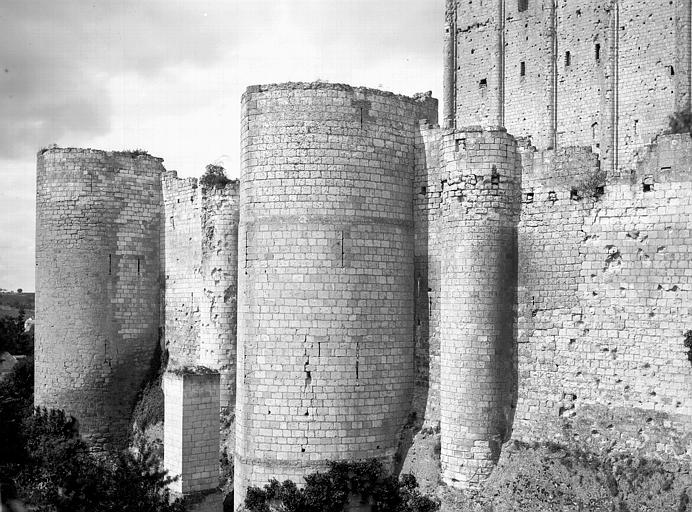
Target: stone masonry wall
(182, 241)
(604, 301)
(325, 364)
(479, 210)
(98, 219)
(572, 74)
(191, 432)
(427, 246)
(200, 265)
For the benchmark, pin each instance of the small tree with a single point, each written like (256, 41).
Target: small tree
(214, 177)
(681, 122)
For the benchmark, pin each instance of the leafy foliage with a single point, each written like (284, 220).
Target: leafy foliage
(13, 339)
(591, 185)
(344, 481)
(148, 408)
(214, 177)
(16, 402)
(680, 122)
(688, 345)
(44, 461)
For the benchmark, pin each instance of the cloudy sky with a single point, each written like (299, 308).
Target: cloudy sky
(167, 75)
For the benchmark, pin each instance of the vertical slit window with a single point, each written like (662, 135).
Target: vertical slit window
(522, 68)
(598, 52)
(568, 59)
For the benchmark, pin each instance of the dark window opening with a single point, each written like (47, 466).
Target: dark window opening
(423, 191)
(522, 68)
(529, 197)
(522, 5)
(672, 70)
(568, 59)
(647, 187)
(110, 263)
(138, 266)
(483, 83)
(598, 51)
(494, 178)
(574, 195)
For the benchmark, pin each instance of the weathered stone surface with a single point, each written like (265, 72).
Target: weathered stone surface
(98, 227)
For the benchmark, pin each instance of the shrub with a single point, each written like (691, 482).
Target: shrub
(148, 408)
(13, 338)
(16, 403)
(680, 122)
(688, 345)
(214, 177)
(45, 462)
(330, 491)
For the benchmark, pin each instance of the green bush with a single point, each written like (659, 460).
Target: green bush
(13, 339)
(44, 461)
(330, 491)
(214, 177)
(680, 122)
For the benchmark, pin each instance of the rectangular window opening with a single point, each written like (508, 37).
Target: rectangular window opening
(598, 52)
(138, 266)
(522, 68)
(522, 5)
(568, 59)
(110, 264)
(483, 83)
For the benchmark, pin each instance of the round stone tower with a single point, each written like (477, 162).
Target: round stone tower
(481, 197)
(325, 278)
(98, 218)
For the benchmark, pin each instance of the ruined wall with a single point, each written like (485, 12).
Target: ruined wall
(98, 219)
(604, 296)
(201, 267)
(182, 257)
(480, 201)
(325, 364)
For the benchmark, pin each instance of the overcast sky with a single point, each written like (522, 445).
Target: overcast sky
(166, 76)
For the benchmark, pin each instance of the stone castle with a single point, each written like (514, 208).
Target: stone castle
(521, 270)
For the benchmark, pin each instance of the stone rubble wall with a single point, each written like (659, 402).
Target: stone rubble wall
(200, 266)
(605, 289)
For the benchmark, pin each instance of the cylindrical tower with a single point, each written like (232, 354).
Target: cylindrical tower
(98, 218)
(480, 208)
(325, 330)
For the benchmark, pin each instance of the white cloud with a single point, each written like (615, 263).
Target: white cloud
(167, 76)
